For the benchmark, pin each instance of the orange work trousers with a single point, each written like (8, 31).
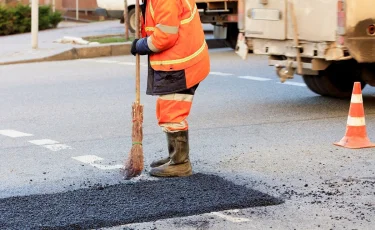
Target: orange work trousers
(173, 109)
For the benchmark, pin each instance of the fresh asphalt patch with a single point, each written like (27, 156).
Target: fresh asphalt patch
(126, 203)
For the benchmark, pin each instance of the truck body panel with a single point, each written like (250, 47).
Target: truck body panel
(265, 20)
(339, 25)
(316, 19)
(331, 43)
(272, 20)
(360, 16)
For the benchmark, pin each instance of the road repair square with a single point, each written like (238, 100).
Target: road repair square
(128, 203)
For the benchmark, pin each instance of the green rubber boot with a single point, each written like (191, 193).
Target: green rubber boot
(157, 163)
(179, 164)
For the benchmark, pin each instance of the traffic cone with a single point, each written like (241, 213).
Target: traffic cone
(356, 135)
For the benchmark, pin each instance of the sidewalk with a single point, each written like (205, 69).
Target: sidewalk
(16, 49)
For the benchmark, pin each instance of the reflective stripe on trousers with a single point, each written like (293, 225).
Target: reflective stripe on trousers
(172, 111)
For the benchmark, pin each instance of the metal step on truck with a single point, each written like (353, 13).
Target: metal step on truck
(330, 43)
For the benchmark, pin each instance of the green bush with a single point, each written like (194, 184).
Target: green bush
(17, 19)
(6, 22)
(55, 19)
(21, 18)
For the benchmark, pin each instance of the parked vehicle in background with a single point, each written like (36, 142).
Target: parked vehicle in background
(220, 13)
(331, 43)
(115, 9)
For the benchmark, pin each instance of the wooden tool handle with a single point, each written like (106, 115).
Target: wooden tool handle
(137, 57)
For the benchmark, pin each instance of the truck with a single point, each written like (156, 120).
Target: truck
(222, 14)
(115, 9)
(330, 43)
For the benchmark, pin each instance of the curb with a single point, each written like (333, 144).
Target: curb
(112, 49)
(105, 50)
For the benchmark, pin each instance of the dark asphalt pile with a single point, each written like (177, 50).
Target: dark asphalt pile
(128, 203)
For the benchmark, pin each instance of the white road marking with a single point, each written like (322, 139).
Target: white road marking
(85, 59)
(14, 133)
(144, 177)
(233, 210)
(226, 217)
(50, 144)
(220, 74)
(293, 83)
(230, 218)
(131, 63)
(90, 159)
(87, 159)
(106, 167)
(255, 78)
(106, 61)
(126, 63)
(43, 142)
(112, 62)
(57, 147)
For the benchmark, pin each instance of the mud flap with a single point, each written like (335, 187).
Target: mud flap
(241, 48)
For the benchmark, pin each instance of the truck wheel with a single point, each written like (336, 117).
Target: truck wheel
(310, 81)
(368, 73)
(337, 80)
(131, 15)
(232, 34)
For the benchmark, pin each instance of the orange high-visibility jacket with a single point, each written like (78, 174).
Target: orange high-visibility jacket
(177, 41)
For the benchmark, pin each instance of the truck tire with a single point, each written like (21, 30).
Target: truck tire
(336, 81)
(131, 15)
(310, 81)
(368, 73)
(232, 34)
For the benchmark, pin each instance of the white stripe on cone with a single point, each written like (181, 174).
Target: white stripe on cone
(356, 121)
(356, 98)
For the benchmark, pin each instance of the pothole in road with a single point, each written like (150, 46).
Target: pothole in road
(126, 203)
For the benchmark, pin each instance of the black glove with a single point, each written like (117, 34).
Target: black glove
(134, 47)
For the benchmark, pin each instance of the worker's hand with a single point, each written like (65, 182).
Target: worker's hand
(140, 47)
(134, 47)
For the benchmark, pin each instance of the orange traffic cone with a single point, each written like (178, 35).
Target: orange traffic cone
(356, 135)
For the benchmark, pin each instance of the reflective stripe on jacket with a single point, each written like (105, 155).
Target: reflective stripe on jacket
(175, 35)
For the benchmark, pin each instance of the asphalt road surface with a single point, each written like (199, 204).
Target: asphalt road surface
(66, 126)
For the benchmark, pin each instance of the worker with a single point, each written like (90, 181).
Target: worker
(178, 61)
